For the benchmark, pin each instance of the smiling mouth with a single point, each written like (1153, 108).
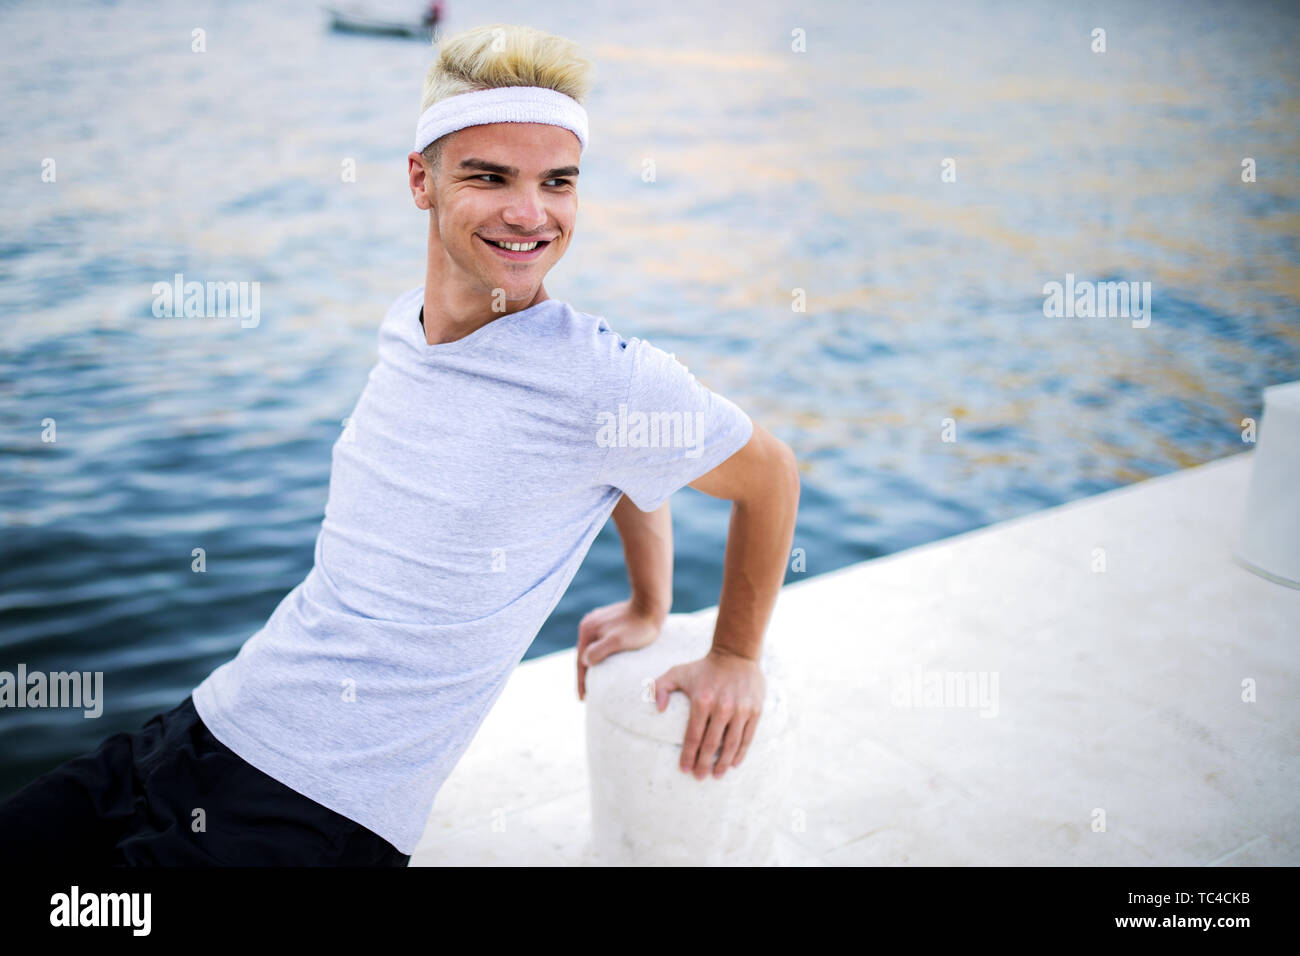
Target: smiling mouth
(518, 247)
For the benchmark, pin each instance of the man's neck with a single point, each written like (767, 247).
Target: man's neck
(440, 332)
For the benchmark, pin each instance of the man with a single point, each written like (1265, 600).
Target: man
(497, 433)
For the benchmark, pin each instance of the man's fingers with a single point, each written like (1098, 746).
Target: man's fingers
(718, 719)
(584, 638)
(730, 743)
(749, 735)
(665, 684)
(592, 651)
(586, 634)
(597, 651)
(694, 734)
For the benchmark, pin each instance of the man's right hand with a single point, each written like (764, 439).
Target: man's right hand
(610, 629)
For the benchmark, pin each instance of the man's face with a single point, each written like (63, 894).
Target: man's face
(512, 182)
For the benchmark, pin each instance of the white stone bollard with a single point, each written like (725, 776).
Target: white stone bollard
(1269, 543)
(645, 810)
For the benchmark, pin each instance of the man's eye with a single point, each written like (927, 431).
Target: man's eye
(559, 182)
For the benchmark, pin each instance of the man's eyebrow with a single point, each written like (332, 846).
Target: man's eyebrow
(487, 167)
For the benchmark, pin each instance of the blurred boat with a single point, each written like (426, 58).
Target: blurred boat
(355, 21)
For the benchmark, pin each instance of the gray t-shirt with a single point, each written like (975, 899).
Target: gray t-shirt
(464, 493)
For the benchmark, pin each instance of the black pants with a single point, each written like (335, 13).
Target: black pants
(171, 794)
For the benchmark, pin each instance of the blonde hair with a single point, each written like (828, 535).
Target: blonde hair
(502, 54)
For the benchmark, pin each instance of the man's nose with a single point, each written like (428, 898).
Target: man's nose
(525, 210)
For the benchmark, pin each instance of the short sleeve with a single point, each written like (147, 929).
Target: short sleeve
(668, 432)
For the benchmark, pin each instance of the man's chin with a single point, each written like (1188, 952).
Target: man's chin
(516, 293)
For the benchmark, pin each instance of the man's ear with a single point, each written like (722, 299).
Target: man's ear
(421, 185)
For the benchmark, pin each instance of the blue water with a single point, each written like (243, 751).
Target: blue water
(774, 171)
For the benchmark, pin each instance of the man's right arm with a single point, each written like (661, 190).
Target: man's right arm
(648, 551)
(626, 625)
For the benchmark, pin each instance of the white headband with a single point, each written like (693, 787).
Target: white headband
(502, 104)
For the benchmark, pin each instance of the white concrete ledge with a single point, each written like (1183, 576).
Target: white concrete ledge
(1117, 690)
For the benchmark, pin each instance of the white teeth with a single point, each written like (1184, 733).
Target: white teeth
(515, 246)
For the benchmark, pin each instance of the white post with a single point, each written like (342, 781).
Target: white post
(645, 810)
(1269, 543)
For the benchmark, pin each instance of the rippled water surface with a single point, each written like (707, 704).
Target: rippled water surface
(774, 171)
